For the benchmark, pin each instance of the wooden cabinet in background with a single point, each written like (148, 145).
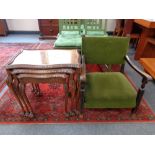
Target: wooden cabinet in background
(3, 27)
(49, 28)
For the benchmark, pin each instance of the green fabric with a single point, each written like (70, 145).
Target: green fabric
(96, 33)
(109, 90)
(105, 50)
(69, 33)
(69, 25)
(93, 24)
(68, 41)
(82, 29)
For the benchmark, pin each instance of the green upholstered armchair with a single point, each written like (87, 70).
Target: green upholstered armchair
(108, 89)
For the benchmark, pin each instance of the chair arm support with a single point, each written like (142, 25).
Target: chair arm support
(79, 51)
(83, 83)
(140, 72)
(83, 72)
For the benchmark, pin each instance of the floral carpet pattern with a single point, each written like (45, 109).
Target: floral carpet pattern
(49, 108)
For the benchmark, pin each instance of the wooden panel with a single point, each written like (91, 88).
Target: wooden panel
(3, 27)
(49, 28)
(44, 22)
(46, 30)
(148, 65)
(54, 22)
(55, 30)
(149, 48)
(148, 30)
(145, 23)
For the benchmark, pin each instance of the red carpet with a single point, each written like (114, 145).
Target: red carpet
(50, 107)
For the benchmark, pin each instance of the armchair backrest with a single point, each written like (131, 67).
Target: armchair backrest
(69, 25)
(105, 50)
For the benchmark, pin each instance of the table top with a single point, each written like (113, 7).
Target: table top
(46, 58)
(148, 23)
(149, 65)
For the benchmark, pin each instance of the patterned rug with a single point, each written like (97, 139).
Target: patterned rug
(49, 108)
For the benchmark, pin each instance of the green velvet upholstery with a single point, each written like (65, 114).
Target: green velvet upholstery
(68, 41)
(96, 33)
(109, 90)
(70, 33)
(105, 50)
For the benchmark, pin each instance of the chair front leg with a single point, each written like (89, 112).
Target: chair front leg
(140, 94)
(82, 99)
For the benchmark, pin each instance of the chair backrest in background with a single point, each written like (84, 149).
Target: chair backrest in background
(70, 25)
(94, 25)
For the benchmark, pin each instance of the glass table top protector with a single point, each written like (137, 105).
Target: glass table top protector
(47, 57)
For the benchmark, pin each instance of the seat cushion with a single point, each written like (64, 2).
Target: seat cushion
(69, 33)
(109, 90)
(96, 33)
(68, 41)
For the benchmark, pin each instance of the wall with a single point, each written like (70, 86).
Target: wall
(111, 24)
(23, 24)
(32, 24)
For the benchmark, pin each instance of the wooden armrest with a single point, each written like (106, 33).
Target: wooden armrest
(83, 72)
(140, 72)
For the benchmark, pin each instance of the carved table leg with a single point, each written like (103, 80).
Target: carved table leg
(12, 87)
(26, 99)
(23, 99)
(73, 96)
(36, 89)
(78, 94)
(66, 98)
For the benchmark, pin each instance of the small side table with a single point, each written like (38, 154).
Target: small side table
(148, 65)
(45, 66)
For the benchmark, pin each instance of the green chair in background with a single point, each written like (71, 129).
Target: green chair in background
(70, 26)
(72, 30)
(108, 89)
(69, 34)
